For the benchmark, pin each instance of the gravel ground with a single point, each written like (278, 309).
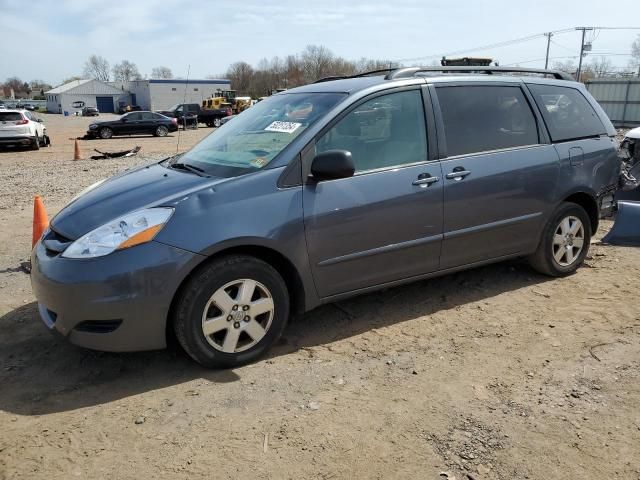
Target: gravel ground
(494, 373)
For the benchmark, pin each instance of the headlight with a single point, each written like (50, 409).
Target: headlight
(93, 126)
(124, 232)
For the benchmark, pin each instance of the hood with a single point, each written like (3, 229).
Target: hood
(150, 186)
(635, 134)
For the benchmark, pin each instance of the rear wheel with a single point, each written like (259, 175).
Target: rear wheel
(35, 145)
(161, 131)
(565, 242)
(216, 122)
(105, 133)
(231, 311)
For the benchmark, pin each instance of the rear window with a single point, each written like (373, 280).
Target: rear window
(10, 116)
(566, 112)
(481, 118)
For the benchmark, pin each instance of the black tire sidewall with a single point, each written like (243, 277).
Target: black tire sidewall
(565, 210)
(161, 128)
(217, 123)
(198, 291)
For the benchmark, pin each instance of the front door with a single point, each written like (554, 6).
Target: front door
(384, 223)
(499, 176)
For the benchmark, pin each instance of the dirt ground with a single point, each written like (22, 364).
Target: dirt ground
(495, 373)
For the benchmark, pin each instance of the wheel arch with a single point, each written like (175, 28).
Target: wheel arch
(277, 260)
(590, 205)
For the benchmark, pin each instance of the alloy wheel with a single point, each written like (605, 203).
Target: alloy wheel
(568, 241)
(237, 316)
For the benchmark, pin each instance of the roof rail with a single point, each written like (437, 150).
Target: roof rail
(357, 75)
(408, 72)
(329, 79)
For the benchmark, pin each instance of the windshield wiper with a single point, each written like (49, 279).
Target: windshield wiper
(189, 168)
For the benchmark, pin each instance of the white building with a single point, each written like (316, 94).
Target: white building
(163, 94)
(72, 96)
(148, 94)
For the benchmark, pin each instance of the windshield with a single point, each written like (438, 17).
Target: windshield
(256, 137)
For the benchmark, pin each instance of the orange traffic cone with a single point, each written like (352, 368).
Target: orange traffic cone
(76, 151)
(40, 220)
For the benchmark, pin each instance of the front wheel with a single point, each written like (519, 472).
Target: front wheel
(106, 133)
(161, 131)
(565, 242)
(231, 311)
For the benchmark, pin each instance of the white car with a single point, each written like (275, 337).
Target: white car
(22, 128)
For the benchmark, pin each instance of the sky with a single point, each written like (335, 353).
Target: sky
(53, 38)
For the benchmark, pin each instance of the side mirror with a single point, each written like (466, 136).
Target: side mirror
(39, 120)
(332, 164)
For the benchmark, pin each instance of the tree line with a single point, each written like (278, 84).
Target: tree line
(309, 65)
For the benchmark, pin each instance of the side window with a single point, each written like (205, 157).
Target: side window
(147, 116)
(566, 112)
(483, 118)
(132, 117)
(383, 132)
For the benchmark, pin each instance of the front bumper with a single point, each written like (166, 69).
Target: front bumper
(119, 302)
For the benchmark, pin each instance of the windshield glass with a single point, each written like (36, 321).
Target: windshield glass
(252, 140)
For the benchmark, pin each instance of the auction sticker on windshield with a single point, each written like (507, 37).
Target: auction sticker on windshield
(285, 127)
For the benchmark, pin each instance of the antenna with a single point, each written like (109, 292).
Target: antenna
(184, 115)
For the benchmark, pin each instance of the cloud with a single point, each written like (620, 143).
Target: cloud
(59, 35)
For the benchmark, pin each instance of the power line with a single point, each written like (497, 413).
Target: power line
(515, 41)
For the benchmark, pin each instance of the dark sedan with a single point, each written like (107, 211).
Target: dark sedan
(134, 123)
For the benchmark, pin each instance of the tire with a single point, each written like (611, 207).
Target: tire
(559, 253)
(105, 133)
(216, 122)
(35, 145)
(215, 292)
(161, 131)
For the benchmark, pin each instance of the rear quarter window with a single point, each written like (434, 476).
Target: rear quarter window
(479, 118)
(566, 112)
(10, 116)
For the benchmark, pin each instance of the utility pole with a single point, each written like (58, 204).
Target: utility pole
(546, 59)
(584, 31)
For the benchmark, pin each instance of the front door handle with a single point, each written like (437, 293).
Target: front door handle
(458, 174)
(425, 179)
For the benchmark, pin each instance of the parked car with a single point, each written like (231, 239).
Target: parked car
(226, 119)
(22, 128)
(3, 106)
(90, 112)
(28, 106)
(302, 200)
(134, 123)
(129, 108)
(212, 117)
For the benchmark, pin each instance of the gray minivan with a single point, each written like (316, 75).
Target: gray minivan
(326, 191)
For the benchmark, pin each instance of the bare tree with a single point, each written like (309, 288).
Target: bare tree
(240, 75)
(601, 66)
(126, 71)
(161, 72)
(71, 79)
(568, 66)
(316, 62)
(97, 67)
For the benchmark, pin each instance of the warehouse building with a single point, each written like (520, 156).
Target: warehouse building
(163, 94)
(72, 96)
(109, 97)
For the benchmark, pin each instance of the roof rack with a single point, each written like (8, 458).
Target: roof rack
(357, 75)
(409, 72)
